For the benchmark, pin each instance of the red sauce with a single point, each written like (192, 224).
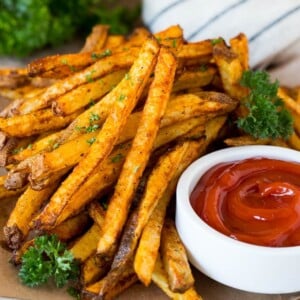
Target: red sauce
(255, 200)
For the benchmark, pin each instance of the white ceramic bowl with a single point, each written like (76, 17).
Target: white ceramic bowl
(236, 264)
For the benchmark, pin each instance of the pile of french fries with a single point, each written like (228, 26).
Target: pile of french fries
(94, 143)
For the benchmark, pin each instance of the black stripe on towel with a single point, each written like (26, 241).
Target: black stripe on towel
(216, 17)
(163, 11)
(275, 22)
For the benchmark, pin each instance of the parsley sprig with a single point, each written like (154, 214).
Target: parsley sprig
(267, 117)
(48, 258)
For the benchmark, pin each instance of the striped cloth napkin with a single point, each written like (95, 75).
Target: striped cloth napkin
(272, 27)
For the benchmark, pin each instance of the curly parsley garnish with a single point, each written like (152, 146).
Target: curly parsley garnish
(48, 258)
(267, 117)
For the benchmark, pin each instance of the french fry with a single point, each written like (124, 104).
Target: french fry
(109, 133)
(147, 250)
(96, 39)
(192, 79)
(100, 68)
(12, 78)
(93, 269)
(114, 41)
(47, 142)
(86, 94)
(97, 213)
(139, 154)
(159, 277)
(239, 46)
(127, 278)
(72, 227)
(230, 69)
(86, 245)
(288, 101)
(27, 205)
(4, 193)
(34, 123)
(175, 260)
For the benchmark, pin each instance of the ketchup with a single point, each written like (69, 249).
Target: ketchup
(256, 200)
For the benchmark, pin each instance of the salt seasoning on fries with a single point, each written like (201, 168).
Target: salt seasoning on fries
(95, 143)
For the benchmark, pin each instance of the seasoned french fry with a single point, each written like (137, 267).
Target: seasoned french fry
(34, 123)
(239, 45)
(86, 245)
(194, 79)
(100, 68)
(72, 227)
(147, 251)
(93, 269)
(288, 101)
(198, 53)
(28, 204)
(159, 277)
(86, 94)
(175, 260)
(230, 69)
(109, 133)
(126, 279)
(4, 193)
(114, 41)
(12, 78)
(97, 213)
(96, 39)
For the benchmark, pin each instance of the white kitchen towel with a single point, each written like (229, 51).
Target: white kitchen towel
(272, 26)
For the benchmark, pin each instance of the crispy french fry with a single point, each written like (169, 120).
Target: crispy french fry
(96, 39)
(47, 142)
(288, 101)
(27, 205)
(147, 251)
(97, 213)
(194, 79)
(294, 141)
(86, 94)
(72, 227)
(86, 245)
(239, 45)
(159, 277)
(114, 41)
(125, 280)
(93, 269)
(100, 68)
(142, 144)
(175, 259)
(126, 96)
(199, 53)
(34, 123)
(12, 78)
(230, 69)
(4, 193)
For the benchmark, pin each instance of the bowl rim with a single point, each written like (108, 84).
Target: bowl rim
(192, 174)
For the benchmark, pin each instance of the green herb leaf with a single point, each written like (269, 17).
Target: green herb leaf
(267, 117)
(89, 77)
(48, 258)
(216, 41)
(91, 140)
(105, 53)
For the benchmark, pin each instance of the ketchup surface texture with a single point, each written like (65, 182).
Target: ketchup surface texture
(255, 200)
